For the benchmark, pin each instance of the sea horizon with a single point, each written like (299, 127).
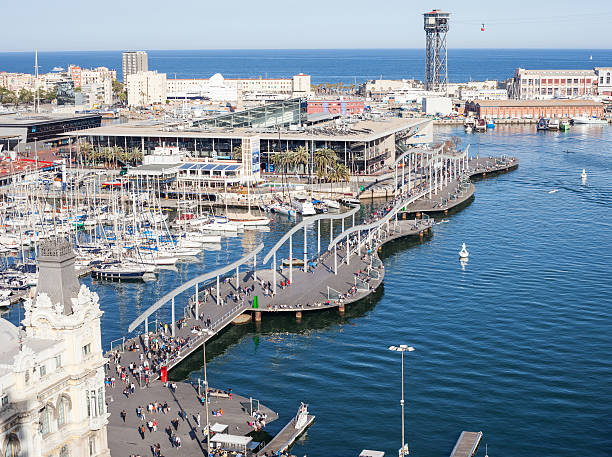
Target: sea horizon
(349, 66)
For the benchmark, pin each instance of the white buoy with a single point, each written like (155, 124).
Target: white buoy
(584, 174)
(463, 254)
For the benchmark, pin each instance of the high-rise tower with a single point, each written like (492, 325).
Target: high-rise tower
(134, 62)
(436, 70)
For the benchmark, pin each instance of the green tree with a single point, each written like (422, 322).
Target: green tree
(237, 153)
(135, 156)
(300, 156)
(324, 159)
(340, 173)
(86, 151)
(24, 97)
(119, 90)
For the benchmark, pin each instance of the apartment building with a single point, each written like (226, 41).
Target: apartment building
(134, 62)
(547, 84)
(16, 81)
(146, 88)
(219, 88)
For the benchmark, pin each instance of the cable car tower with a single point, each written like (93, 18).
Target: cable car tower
(436, 69)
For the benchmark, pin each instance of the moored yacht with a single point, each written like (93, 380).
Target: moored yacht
(304, 206)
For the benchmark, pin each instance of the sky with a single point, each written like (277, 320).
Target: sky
(63, 25)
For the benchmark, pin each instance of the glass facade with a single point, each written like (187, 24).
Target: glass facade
(65, 93)
(272, 115)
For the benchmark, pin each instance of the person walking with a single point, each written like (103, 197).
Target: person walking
(197, 419)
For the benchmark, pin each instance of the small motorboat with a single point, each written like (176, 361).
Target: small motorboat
(564, 125)
(553, 124)
(490, 123)
(283, 209)
(554, 191)
(348, 201)
(583, 175)
(480, 125)
(542, 124)
(589, 120)
(331, 203)
(463, 254)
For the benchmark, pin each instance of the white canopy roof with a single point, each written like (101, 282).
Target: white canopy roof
(235, 440)
(218, 428)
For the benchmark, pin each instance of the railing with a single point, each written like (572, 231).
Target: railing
(361, 285)
(122, 344)
(330, 295)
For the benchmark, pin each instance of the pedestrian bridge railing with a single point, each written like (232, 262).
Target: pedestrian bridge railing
(195, 282)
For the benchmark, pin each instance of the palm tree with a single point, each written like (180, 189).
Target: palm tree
(300, 156)
(237, 153)
(282, 160)
(341, 173)
(86, 150)
(135, 156)
(324, 159)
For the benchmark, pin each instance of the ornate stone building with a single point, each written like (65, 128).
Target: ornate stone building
(52, 367)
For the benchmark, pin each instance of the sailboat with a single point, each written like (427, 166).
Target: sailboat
(248, 219)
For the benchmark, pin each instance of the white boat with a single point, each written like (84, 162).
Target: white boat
(583, 175)
(304, 206)
(116, 271)
(349, 201)
(283, 209)
(202, 238)
(158, 260)
(553, 124)
(185, 243)
(248, 220)
(331, 203)
(216, 226)
(469, 124)
(588, 120)
(463, 254)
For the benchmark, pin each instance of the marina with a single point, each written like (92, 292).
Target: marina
(186, 261)
(211, 309)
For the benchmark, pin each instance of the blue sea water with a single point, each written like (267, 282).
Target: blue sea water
(517, 345)
(325, 65)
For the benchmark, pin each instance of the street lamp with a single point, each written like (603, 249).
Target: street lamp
(402, 348)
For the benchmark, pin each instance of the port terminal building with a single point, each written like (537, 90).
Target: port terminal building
(27, 129)
(365, 145)
(509, 109)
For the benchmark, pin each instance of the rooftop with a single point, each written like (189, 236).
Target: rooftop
(536, 102)
(28, 119)
(365, 130)
(555, 72)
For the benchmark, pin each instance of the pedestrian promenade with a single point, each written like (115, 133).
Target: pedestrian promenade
(346, 272)
(175, 413)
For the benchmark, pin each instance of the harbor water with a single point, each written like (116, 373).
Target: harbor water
(516, 345)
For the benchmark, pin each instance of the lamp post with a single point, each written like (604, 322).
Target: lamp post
(402, 348)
